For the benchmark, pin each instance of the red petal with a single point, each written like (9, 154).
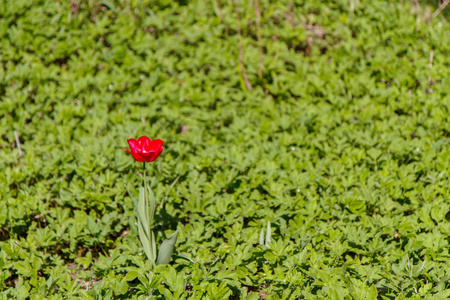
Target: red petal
(156, 144)
(136, 156)
(139, 157)
(157, 154)
(134, 145)
(151, 146)
(149, 157)
(143, 141)
(144, 149)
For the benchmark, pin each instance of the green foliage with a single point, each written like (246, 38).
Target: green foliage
(145, 213)
(342, 145)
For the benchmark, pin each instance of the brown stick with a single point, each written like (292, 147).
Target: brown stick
(18, 143)
(241, 49)
(74, 7)
(440, 8)
(258, 34)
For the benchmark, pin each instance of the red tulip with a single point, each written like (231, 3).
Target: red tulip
(144, 149)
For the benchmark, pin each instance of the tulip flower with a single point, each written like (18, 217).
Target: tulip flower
(144, 149)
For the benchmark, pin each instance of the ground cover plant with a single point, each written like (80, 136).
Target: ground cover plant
(327, 120)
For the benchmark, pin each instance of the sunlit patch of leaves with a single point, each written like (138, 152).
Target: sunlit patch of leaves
(342, 145)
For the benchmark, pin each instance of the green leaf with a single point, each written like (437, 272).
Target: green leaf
(374, 153)
(261, 237)
(131, 196)
(153, 245)
(268, 234)
(145, 242)
(152, 205)
(108, 5)
(131, 275)
(121, 288)
(166, 249)
(23, 268)
(185, 256)
(142, 212)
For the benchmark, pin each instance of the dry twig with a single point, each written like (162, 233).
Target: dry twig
(440, 8)
(74, 7)
(18, 143)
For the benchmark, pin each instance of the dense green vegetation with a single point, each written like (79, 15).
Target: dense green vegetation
(340, 141)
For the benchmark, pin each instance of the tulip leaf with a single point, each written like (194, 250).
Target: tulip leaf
(145, 242)
(141, 211)
(152, 205)
(166, 249)
(153, 245)
(131, 196)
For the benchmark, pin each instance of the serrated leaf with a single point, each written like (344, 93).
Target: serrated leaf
(23, 268)
(374, 153)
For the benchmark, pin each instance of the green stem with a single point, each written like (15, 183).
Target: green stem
(145, 195)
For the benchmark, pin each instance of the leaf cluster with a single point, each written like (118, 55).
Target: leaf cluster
(342, 145)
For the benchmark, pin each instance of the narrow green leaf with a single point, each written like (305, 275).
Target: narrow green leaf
(152, 204)
(166, 249)
(261, 237)
(419, 271)
(145, 242)
(153, 245)
(144, 227)
(186, 257)
(131, 196)
(268, 234)
(141, 211)
(108, 5)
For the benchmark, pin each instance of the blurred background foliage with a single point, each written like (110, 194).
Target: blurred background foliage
(329, 119)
